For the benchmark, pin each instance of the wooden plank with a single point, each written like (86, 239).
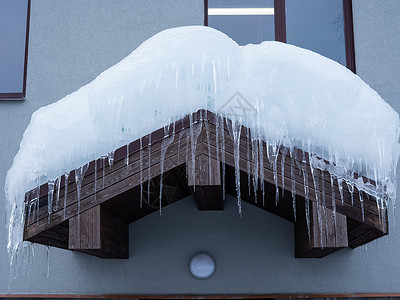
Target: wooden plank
(84, 230)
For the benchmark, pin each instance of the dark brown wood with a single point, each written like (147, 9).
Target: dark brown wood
(130, 192)
(349, 34)
(84, 230)
(98, 232)
(205, 183)
(26, 47)
(57, 236)
(327, 235)
(205, 12)
(204, 174)
(280, 20)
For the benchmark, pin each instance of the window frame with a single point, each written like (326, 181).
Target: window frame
(280, 27)
(21, 95)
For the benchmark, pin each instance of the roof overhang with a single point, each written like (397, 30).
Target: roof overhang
(192, 156)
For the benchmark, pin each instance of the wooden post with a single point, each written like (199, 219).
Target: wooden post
(205, 183)
(325, 237)
(98, 232)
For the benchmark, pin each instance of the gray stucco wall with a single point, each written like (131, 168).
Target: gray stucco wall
(71, 42)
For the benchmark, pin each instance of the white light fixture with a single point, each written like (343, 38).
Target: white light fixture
(241, 11)
(202, 265)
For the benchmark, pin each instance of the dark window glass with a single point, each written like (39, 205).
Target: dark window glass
(317, 25)
(13, 21)
(242, 25)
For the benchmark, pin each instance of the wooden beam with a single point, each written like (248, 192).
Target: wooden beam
(98, 232)
(327, 235)
(205, 183)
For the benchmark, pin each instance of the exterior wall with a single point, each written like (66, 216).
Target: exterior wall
(71, 42)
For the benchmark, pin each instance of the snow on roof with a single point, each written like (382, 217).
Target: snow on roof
(287, 95)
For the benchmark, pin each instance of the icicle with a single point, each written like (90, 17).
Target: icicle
(47, 249)
(362, 204)
(193, 143)
(141, 170)
(95, 180)
(31, 209)
(149, 169)
(293, 178)
(222, 128)
(248, 159)
(324, 200)
(66, 175)
(307, 198)
(111, 158)
(236, 131)
(317, 198)
(217, 129)
(179, 142)
(187, 154)
(164, 146)
(193, 151)
(254, 160)
(340, 181)
(379, 214)
(127, 156)
(333, 200)
(103, 165)
(272, 153)
(261, 168)
(38, 202)
(208, 148)
(350, 187)
(58, 191)
(50, 193)
(283, 158)
(79, 175)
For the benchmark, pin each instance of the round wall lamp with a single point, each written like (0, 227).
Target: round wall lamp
(202, 265)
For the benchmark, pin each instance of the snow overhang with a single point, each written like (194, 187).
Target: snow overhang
(338, 138)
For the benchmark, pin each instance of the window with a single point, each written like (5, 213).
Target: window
(324, 26)
(14, 30)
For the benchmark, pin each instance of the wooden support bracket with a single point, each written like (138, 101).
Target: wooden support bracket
(205, 183)
(97, 232)
(327, 235)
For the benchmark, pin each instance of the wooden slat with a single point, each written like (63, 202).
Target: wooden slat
(84, 230)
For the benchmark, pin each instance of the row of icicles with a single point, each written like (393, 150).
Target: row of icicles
(255, 171)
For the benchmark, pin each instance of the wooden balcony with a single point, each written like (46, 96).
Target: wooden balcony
(191, 156)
